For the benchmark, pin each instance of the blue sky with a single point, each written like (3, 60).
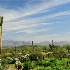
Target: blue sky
(37, 20)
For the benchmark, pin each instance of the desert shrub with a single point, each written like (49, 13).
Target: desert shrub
(53, 62)
(33, 65)
(43, 63)
(24, 59)
(3, 64)
(26, 66)
(59, 55)
(29, 65)
(5, 55)
(39, 63)
(48, 68)
(18, 64)
(10, 60)
(35, 56)
(56, 68)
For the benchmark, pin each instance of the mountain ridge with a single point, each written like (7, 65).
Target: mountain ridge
(12, 43)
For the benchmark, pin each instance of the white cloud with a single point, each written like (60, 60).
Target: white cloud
(46, 23)
(33, 31)
(29, 10)
(58, 14)
(68, 32)
(9, 26)
(29, 23)
(52, 16)
(55, 37)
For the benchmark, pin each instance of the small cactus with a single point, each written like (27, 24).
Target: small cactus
(32, 42)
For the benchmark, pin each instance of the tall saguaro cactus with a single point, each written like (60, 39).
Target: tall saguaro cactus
(52, 42)
(32, 47)
(32, 43)
(1, 21)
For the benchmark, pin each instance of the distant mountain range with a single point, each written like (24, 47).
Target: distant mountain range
(11, 43)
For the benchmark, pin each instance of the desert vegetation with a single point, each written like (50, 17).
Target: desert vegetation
(35, 57)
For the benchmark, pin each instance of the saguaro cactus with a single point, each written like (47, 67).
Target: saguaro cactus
(1, 21)
(32, 47)
(52, 42)
(32, 43)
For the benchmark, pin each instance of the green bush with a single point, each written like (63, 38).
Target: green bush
(29, 65)
(3, 64)
(24, 59)
(36, 56)
(43, 63)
